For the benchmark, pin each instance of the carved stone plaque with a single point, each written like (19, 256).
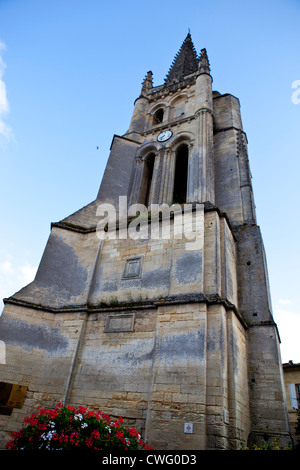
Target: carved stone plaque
(132, 268)
(119, 322)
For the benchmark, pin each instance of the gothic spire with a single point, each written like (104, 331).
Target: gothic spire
(184, 63)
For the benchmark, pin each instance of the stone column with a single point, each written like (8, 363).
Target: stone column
(190, 177)
(137, 181)
(166, 114)
(167, 177)
(156, 179)
(204, 173)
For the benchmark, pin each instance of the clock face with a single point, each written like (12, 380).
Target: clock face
(165, 135)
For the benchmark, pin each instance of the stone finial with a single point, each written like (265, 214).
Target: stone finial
(203, 62)
(147, 83)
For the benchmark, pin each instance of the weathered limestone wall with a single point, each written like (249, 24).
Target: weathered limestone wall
(156, 363)
(238, 394)
(228, 194)
(266, 384)
(65, 271)
(166, 267)
(227, 388)
(114, 367)
(153, 366)
(40, 351)
(178, 388)
(232, 170)
(117, 176)
(267, 395)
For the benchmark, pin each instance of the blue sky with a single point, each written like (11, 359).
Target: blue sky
(69, 74)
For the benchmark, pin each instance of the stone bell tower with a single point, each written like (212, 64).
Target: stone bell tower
(172, 329)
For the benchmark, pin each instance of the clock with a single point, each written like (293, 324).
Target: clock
(165, 135)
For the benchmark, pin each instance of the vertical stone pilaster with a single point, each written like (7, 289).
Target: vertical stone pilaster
(156, 179)
(167, 177)
(190, 186)
(238, 396)
(217, 379)
(204, 185)
(171, 176)
(137, 180)
(245, 180)
(167, 114)
(164, 176)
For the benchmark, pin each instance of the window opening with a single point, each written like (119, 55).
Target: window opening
(147, 180)
(158, 116)
(181, 174)
(295, 395)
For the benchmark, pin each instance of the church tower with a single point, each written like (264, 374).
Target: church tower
(152, 302)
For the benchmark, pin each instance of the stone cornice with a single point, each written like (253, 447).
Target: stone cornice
(210, 299)
(168, 125)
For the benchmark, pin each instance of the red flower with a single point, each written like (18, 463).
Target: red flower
(81, 409)
(96, 434)
(42, 427)
(89, 442)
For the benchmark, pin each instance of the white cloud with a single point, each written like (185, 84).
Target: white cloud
(285, 302)
(27, 273)
(6, 267)
(14, 277)
(5, 130)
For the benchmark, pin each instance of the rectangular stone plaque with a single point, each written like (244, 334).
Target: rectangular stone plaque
(132, 268)
(119, 322)
(226, 416)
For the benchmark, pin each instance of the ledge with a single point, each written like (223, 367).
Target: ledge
(210, 299)
(73, 227)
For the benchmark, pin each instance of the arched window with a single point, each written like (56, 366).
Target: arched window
(147, 180)
(181, 175)
(158, 116)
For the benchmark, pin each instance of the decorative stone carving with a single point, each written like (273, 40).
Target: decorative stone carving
(147, 83)
(203, 62)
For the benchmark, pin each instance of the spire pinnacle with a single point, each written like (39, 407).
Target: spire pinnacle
(147, 83)
(203, 62)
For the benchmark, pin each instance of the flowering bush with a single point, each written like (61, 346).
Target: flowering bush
(67, 427)
(267, 446)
